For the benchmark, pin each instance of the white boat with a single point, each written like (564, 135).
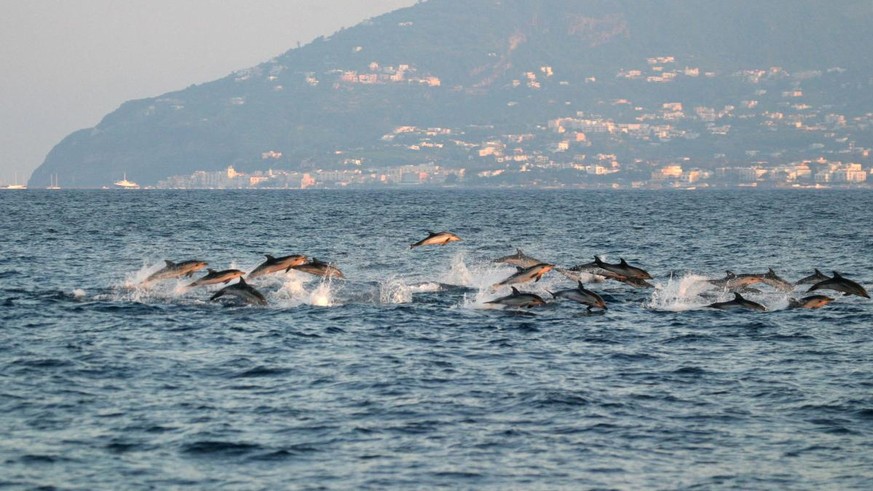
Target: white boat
(125, 184)
(14, 186)
(54, 182)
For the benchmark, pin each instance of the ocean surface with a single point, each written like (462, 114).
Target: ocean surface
(401, 376)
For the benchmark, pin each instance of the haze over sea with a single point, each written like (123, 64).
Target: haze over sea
(401, 377)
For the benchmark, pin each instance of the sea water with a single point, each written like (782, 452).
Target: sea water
(402, 375)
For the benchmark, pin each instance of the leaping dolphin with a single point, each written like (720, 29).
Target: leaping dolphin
(519, 299)
(243, 291)
(436, 238)
(523, 275)
(733, 281)
(214, 277)
(738, 303)
(276, 264)
(519, 259)
(772, 279)
(582, 295)
(623, 269)
(810, 302)
(320, 268)
(177, 270)
(840, 284)
(816, 277)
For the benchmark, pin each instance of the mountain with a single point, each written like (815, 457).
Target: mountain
(463, 64)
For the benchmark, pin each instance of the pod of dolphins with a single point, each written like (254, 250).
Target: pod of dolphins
(528, 269)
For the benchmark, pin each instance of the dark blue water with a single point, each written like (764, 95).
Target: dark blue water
(401, 377)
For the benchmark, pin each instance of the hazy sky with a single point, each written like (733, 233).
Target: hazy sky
(64, 64)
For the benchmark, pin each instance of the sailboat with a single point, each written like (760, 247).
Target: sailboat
(125, 184)
(16, 185)
(54, 182)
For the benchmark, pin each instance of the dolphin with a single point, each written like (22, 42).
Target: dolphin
(635, 282)
(276, 264)
(812, 279)
(738, 303)
(519, 299)
(810, 302)
(243, 291)
(518, 259)
(523, 275)
(733, 281)
(583, 296)
(214, 277)
(319, 268)
(772, 279)
(590, 271)
(623, 269)
(177, 270)
(840, 284)
(436, 238)
(581, 273)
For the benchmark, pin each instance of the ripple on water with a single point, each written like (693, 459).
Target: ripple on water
(398, 377)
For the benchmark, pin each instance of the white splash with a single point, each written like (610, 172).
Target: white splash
(394, 291)
(321, 296)
(679, 294)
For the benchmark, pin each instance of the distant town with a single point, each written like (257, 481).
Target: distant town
(773, 133)
(585, 149)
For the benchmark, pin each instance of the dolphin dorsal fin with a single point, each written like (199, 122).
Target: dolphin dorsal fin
(581, 286)
(210, 270)
(771, 271)
(817, 271)
(519, 269)
(837, 275)
(269, 257)
(242, 281)
(519, 251)
(622, 261)
(515, 291)
(170, 264)
(738, 297)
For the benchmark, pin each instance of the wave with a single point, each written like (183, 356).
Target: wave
(692, 291)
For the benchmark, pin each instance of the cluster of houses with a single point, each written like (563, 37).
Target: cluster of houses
(579, 149)
(404, 175)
